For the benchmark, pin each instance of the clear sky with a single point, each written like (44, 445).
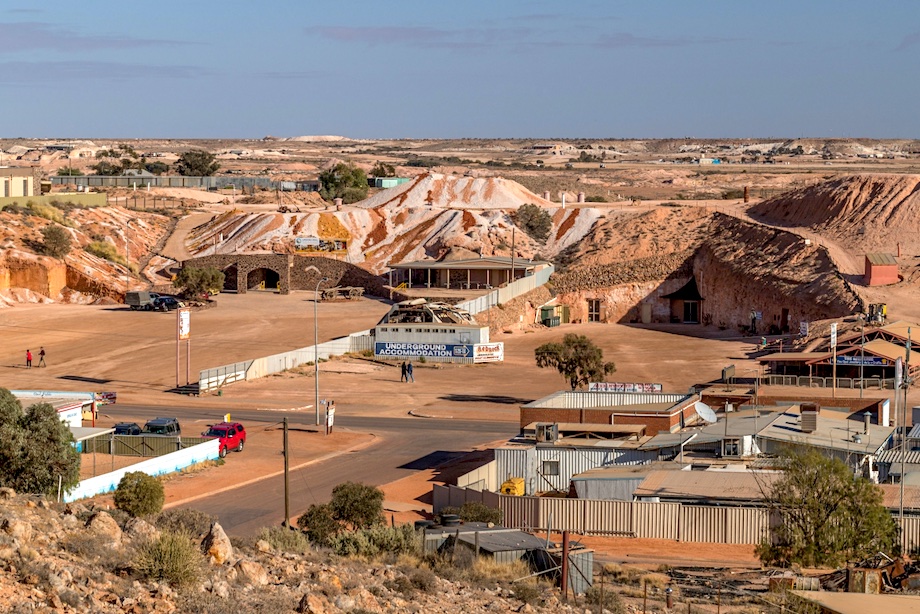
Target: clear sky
(464, 68)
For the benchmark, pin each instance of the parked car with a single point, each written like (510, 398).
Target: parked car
(232, 436)
(141, 300)
(127, 428)
(167, 303)
(162, 426)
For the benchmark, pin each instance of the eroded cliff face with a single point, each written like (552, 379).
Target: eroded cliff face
(738, 267)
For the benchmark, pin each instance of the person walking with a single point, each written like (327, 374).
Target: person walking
(409, 376)
(28, 359)
(403, 372)
(41, 357)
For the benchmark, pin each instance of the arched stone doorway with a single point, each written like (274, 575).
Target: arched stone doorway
(230, 278)
(263, 279)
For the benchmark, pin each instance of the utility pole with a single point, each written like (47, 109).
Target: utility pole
(287, 499)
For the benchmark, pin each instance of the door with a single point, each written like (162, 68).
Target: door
(691, 312)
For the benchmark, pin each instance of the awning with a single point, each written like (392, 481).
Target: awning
(690, 292)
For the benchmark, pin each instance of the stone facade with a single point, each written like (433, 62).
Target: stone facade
(287, 272)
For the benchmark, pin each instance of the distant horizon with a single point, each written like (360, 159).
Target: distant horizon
(464, 138)
(440, 71)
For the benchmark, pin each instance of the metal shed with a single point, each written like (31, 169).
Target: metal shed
(502, 544)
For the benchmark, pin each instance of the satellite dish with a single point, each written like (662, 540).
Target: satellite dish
(705, 412)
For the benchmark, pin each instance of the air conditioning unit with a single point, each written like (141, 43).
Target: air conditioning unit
(547, 432)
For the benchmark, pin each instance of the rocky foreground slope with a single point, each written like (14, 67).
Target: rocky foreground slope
(57, 558)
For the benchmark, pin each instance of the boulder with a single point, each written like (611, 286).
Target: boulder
(102, 523)
(216, 545)
(17, 529)
(7, 493)
(311, 603)
(251, 572)
(141, 530)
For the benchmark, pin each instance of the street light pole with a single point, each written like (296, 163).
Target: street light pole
(127, 258)
(316, 348)
(862, 351)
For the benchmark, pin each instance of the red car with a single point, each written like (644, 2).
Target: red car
(232, 436)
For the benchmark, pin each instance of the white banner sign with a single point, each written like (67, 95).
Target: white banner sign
(833, 335)
(185, 323)
(489, 352)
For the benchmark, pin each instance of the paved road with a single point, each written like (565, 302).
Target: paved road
(405, 446)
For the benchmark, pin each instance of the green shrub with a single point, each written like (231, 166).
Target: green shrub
(139, 494)
(606, 598)
(423, 580)
(376, 540)
(180, 520)
(533, 220)
(356, 505)
(527, 592)
(319, 524)
(107, 251)
(173, 557)
(48, 212)
(286, 540)
(55, 241)
(476, 511)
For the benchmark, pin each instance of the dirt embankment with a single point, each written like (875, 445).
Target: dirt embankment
(872, 212)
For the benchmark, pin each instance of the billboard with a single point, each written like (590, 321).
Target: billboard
(623, 387)
(481, 352)
(866, 361)
(489, 352)
(315, 244)
(429, 350)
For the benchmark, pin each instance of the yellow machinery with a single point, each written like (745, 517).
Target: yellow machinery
(513, 486)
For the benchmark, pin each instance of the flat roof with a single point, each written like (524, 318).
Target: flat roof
(794, 356)
(627, 472)
(490, 262)
(82, 433)
(739, 484)
(831, 433)
(629, 401)
(860, 603)
(582, 427)
(881, 259)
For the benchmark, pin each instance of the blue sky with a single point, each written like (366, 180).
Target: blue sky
(490, 69)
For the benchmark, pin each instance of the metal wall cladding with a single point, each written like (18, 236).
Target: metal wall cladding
(588, 400)
(482, 478)
(656, 520)
(512, 290)
(910, 533)
(528, 463)
(146, 446)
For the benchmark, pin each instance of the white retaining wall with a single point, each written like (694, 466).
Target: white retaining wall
(168, 463)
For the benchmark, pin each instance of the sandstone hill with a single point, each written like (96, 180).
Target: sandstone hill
(871, 212)
(70, 558)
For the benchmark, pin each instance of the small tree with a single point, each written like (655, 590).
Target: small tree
(38, 448)
(139, 494)
(357, 506)
(199, 282)
(828, 515)
(197, 163)
(55, 241)
(382, 169)
(68, 171)
(319, 524)
(345, 181)
(533, 220)
(577, 359)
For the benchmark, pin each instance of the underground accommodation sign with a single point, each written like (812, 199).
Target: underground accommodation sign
(489, 352)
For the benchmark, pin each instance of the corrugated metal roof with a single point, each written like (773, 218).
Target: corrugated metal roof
(794, 356)
(579, 399)
(831, 433)
(503, 541)
(900, 328)
(881, 259)
(730, 485)
(490, 262)
(911, 457)
(82, 433)
(891, 351)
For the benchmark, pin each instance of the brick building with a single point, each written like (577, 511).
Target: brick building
(656, 411)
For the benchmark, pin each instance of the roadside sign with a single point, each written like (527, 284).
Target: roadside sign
(184, 322)
(834, 335)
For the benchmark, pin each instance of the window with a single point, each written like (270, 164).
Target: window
(550, 467)
(594, 310)
(732, 447)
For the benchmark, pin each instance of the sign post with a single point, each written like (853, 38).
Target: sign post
(330, 416)
(834, 365)
(183, 332)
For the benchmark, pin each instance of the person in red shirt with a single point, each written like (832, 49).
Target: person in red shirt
(28, 359)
